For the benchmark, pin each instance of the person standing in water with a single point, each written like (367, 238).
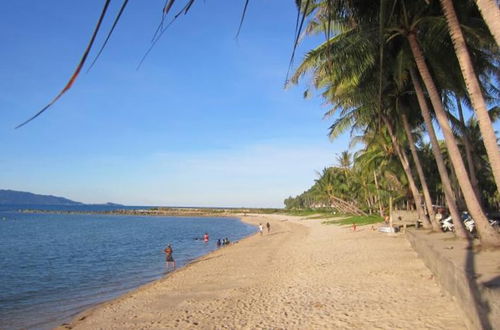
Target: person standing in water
(205, 238)
(169, 258)
(260, 228)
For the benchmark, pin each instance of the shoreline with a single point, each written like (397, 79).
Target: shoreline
(303, 274)
(80, 316)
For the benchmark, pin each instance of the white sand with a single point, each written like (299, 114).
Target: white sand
(303, 275)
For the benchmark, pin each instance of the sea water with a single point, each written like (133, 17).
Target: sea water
(53, 266)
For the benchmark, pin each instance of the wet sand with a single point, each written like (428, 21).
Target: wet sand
(301, 275)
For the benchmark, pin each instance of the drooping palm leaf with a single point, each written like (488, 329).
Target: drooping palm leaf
(298, 32)
(166, 9)
(242, 18)
(117, 18)
(78, 68)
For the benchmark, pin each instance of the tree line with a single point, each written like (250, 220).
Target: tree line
(395, 72)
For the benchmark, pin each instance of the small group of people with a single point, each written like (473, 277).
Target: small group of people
(261, 228)
(224, 241)
(169, 251)
(220, 242)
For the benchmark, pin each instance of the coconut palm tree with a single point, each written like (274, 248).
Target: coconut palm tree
(350, 87)
(344, 160)
(378, 159)
(468, 147)
(408, 21)
(489, 237)
(334, 184)
(405, 21)
(473, 87)
(491, 14)
(402, 104)
(443, 173)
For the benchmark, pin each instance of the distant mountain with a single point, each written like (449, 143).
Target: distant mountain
(12, 197)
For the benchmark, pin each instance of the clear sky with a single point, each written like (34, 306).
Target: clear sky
(204, 122)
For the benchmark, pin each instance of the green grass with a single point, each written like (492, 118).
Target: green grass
(268, 211)
(358, 220)
(326, 216)
(317, 213)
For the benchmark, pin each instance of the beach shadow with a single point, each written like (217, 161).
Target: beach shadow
(493, 284)
(482, 308)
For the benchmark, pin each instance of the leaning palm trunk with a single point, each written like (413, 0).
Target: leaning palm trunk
(473, 88)
(342, 207)
(348, 206)
(491, 15)
(406, 167)
(338, 206)
(425, 189)
(488, 235)
(436, 151)
(468, 151)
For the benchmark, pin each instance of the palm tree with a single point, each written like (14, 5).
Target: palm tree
(491, 14)
(473, 87)
(405, 21)
(378, 158)
(344, 159)
(398, 93)
(331, 182)
(350, 86)
(489, 237)
(406, 166)
(443, 173)
(463, 134)
(486, 183)
(420, 171)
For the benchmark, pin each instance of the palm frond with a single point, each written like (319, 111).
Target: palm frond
(115, 22)
(79, 67)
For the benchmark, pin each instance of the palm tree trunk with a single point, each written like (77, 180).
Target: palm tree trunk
(473, 88)
(489, 236)
(468, 151)
(436, 151)
(491, 15)
(379, 200)
(425, 189)
(406, 167)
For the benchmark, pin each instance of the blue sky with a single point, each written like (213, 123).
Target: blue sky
(204, 122)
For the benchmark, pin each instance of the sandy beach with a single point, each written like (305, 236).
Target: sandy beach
(301, 275)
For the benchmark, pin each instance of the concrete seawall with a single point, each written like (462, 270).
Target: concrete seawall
(473, 279)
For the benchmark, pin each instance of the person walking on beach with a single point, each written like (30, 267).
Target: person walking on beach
(260, 228)
(169, 258)
(268, 227)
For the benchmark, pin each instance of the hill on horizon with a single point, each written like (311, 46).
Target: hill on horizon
(12, 197)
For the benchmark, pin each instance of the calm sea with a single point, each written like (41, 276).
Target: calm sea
(53, 266)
